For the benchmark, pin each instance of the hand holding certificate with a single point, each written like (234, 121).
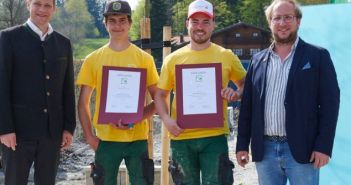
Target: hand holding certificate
(122, 95)
(199, 102)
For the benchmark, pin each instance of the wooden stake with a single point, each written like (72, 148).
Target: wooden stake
(145, 32)
(167, 34)
(145, 36)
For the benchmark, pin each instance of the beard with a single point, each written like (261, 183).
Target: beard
(199, 39)
(290, 39)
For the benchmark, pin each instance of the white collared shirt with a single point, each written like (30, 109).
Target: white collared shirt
(38, 31)
(277, 79)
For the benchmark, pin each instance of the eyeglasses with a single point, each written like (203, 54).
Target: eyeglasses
(284, 18)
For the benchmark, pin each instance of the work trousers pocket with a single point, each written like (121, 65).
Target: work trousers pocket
(148, 169)
(225, 170)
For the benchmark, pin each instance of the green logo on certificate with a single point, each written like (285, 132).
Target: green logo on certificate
(124, 81)
(199, 78)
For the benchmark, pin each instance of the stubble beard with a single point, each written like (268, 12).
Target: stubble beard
(199, 39)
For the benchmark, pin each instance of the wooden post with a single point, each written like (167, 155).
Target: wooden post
(127, 177)
(145, 33)
(145, 39)
(167, 34)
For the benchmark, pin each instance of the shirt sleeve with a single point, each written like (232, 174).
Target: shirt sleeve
(152, 75)
(166, 81)
(86, 75)
(6, 122)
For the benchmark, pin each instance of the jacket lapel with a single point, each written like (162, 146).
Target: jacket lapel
(297, 60)
(264, 62)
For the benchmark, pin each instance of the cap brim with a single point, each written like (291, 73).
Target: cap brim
(201, 12)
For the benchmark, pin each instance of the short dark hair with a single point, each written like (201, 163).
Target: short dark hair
(128, 16)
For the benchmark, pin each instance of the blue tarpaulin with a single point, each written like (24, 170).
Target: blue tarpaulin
(329, 26)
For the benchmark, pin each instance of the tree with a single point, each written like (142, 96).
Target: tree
(252, 12)
(160, 13)
(60, 3)
(137, 14)
(12, 12)
(74, 20)
(180, 12)
(224, 16)
(232, 3)
(160, 17)
(96, 9)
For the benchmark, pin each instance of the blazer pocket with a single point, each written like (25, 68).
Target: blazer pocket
(307, 69)
(306, 80)
(306, 74)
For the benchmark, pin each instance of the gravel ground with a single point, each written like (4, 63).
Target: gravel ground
(79, 155)
(71, 170)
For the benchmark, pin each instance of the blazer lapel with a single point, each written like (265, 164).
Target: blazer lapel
(297, 60)
(264, 62)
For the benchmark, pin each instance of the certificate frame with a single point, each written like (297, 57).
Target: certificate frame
(210, 120)
(127, 118)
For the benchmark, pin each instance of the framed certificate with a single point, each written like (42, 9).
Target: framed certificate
(199, 102)
(122, 94)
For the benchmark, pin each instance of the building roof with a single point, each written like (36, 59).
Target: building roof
(238, 25)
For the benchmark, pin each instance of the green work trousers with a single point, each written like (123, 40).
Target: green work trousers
(203, 157)
(109, 156)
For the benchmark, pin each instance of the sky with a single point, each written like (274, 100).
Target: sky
(133, 3)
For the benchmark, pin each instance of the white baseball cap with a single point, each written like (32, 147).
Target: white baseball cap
(200, 6)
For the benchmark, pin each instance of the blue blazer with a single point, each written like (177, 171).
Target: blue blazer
(311, 104)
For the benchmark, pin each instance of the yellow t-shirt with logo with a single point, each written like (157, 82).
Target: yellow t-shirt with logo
(231, 70)
(91, 75)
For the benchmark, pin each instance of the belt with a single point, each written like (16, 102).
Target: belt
(279, 139)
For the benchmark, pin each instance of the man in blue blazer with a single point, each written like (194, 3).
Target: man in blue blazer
(290, 104)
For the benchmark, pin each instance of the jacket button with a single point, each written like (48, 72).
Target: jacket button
(45, 110)
(44, 61)
(47, 93)
(47, 77)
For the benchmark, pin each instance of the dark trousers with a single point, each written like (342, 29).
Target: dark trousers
(44, 153)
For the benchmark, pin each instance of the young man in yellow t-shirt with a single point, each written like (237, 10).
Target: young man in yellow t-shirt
(201, 150)
(116, 141)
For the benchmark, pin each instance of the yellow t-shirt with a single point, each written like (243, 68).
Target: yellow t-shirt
(91, 74)
(231, 70)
